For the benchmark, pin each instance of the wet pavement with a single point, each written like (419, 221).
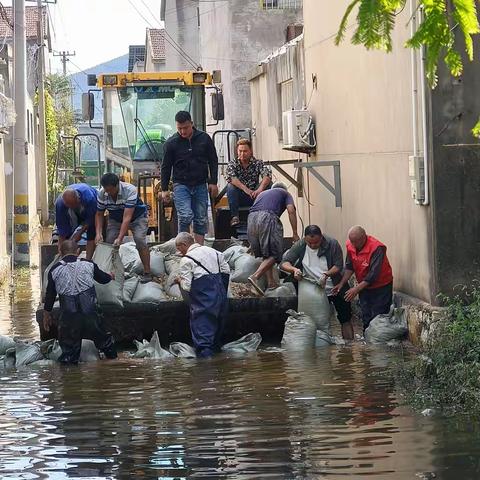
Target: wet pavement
(326, 413)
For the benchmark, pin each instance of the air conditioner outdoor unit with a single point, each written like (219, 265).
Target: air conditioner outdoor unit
(298, 131)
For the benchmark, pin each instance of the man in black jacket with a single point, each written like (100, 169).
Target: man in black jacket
(191, 154)
(320, 258)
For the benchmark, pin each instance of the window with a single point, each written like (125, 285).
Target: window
(286, 95)
(281, 4)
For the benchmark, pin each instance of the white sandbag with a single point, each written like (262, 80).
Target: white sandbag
(166, 248)
(244, 266)
(172, 289)
(313, 301)
(26, 353)
(151, 349)
(323, 339)
(157, 263)
(9, 358)
(6, 343)
(390, 326)
(284, 290)
(248, 343)
(89, 352)
(150, 292)
(54, 351)
(107, 258)
(182, 350)
(172, 263)
(232, 253)
(129, 287)
(300, 331)
(130, 258)
(45, 275)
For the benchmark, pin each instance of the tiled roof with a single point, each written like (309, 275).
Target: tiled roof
(156, 41)
(31, 18)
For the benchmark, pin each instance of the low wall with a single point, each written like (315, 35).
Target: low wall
(422, 318)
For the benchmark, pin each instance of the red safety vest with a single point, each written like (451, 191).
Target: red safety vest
(361, 262)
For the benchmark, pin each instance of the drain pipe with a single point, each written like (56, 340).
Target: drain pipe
(426, 173)
(413, 57)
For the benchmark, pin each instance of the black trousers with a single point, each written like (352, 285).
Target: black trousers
(375, 301)
(343, 308)
(73, 327)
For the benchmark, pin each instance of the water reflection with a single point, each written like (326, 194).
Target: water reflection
(271, 414)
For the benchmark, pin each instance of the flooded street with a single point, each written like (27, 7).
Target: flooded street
(270, 414)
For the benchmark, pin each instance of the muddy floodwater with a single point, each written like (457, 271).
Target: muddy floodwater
(327, 413)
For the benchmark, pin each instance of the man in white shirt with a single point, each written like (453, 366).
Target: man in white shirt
(204, 274)
(320, 258)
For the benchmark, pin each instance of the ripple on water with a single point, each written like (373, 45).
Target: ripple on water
(270, 414)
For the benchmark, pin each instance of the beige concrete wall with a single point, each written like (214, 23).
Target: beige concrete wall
(363, 112)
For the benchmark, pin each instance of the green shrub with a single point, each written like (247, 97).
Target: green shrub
(447, 374)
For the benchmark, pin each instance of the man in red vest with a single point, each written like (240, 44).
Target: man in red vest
(367, 258)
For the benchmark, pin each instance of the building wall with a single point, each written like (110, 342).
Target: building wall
(455, 107)
(181, 24)
(362, 107)
(234, 37)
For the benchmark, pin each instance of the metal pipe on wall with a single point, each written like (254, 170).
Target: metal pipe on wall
(423, 98)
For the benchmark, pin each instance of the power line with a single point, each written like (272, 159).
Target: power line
(177, 48)
(193, 61)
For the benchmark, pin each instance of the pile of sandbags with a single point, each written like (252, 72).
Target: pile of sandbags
(23, 353)
(285, 290)
(133, 265)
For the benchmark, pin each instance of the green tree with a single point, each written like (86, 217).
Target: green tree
(60, 120)
(375, 21)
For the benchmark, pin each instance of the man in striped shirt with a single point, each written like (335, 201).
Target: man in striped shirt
(126, 211)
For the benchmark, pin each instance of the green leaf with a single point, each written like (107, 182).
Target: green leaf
(343, 24)
(453, 60)
(476, 129)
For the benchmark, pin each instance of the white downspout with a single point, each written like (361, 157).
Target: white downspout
(426, 172)
(413, 56)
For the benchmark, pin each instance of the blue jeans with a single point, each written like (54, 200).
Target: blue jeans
(191, 204)
(237, 198)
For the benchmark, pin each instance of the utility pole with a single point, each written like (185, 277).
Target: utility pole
(64, 56)
(20, 233)
(42, 141)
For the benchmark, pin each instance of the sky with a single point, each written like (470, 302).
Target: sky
(98, 30)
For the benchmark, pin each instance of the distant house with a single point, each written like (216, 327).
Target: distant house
(155, 51)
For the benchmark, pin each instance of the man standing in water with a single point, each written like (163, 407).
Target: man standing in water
(320, 258)
(73, 279)
(367, 258)
(204, 275)
(190, 157)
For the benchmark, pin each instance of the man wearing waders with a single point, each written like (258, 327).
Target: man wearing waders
(73, 279)
(204, 274)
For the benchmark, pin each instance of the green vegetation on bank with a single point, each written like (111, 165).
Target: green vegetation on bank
(446, 376)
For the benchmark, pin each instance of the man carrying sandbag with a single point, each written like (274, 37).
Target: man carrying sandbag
(367, 258)
(319, 259)
(265, 231)
(73, 279)
(75, 211)
(126, 211)
(204, 274)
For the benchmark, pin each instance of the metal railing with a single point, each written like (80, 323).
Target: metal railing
(280, 4)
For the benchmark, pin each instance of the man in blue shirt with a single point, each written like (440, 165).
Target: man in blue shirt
(126, 211)
(76, 207)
